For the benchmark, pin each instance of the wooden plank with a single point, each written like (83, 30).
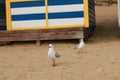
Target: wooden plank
(45, 34)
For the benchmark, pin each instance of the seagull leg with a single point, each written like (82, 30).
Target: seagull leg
(53, 63)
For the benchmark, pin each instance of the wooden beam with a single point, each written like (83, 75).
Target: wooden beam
(44, 34)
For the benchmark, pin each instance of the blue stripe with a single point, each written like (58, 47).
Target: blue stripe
(64, 2)
(28, 17)
(27, 4)
(76, 14)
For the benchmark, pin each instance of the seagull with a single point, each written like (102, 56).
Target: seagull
(80, 45)
(52, 54)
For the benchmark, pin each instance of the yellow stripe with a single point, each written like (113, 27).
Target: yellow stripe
(8, 15)
(46, 7)
(22, 0)
(49, 27)
(86, 13)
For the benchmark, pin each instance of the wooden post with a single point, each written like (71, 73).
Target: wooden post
(110, 2)
(38, 42)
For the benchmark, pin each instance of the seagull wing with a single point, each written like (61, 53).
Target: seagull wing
(57, 55)
(76, 46)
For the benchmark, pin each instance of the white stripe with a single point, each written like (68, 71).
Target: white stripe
(69, 21)
(65, 8)
(27, 10)
(29, 23)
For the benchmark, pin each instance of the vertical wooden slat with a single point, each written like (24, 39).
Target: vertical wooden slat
(86, 16)
(46, 13)
(8, 15)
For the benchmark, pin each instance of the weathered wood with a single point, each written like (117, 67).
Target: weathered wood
(110, 2)
(4, 43)
(44, 34)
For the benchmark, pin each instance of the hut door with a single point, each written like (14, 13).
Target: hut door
(26, 14)
(41, 14)
(65, 13)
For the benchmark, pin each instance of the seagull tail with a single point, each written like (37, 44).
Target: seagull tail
(57, 55)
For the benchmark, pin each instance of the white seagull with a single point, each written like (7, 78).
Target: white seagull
(52, 54)
(80, 45)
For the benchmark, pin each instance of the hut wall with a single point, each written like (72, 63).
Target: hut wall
(2, 15)
(92, 20)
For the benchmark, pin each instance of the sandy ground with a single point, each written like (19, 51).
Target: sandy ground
(100, 59)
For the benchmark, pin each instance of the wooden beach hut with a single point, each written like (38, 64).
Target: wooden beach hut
(46, 19)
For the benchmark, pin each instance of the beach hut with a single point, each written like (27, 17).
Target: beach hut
(47, 19)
